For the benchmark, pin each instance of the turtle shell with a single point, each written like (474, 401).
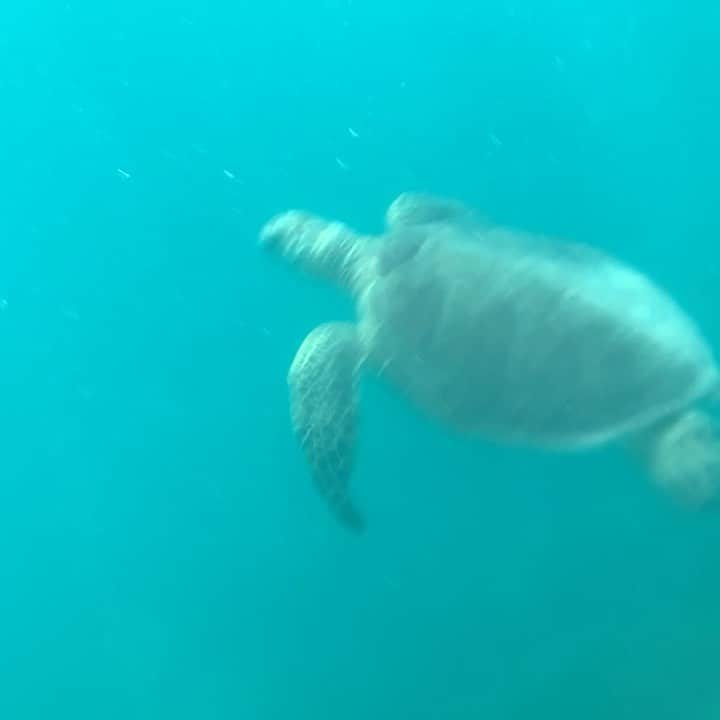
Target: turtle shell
(523, 338)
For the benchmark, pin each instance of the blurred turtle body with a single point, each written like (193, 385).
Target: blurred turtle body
(500, 334)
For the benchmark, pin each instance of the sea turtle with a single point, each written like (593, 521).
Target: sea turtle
(500, 334)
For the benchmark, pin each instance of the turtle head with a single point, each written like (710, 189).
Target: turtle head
(326, 248)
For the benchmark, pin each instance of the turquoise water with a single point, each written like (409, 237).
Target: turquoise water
(164, 555)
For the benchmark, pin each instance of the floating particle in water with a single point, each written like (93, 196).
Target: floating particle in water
(124, 175)
(353, 133)
(495, 140)
(342, 164)
(552, 158)
(86, 392)
(3, 304)
(70, 314)
(229, 175)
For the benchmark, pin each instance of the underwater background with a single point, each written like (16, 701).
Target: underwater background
(164, 554)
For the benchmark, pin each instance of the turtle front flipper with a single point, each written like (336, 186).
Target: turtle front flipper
(323, 406)
(415, 208)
